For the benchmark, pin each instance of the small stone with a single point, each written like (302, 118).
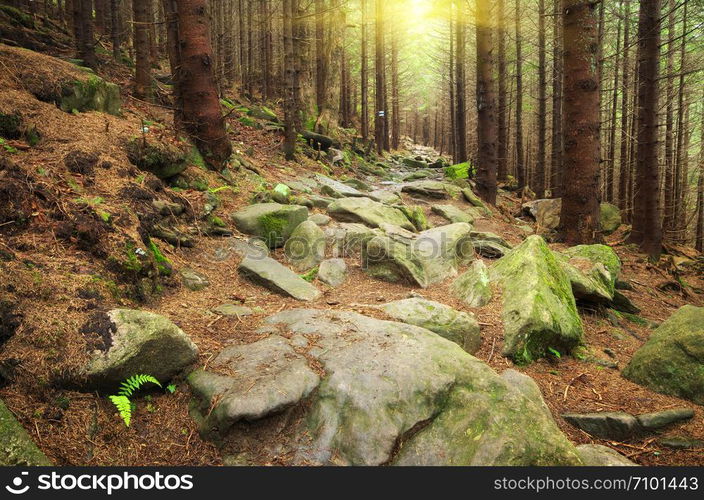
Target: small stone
(193, 280)
(606, 425)
(278, 278)
(320, 219)
(333, 272)
(681, 442)
(596, 455)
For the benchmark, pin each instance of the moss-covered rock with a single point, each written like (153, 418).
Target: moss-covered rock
(162, 160)
(539, 310)
(593, 271)
(457, 326)
(459, 171)
(272, 222)
(473, 286)
(474, 200)
(416, 215)
(305, 249)
(391, 393)
(369, 212)
(454, 214)
(672, 360)
(16, 447)
(432, 189)
(136, 342)
(91, 94)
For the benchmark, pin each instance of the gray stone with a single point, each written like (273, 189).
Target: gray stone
(539, 310)
(381, 393)
(278, 278)
(473, 286)
(596, 455)
(272, 222)
(357, 184)
(474, 200)
(369, 212)
(681, 442)
(138, 342)
(333, 272)
(320, 219)
(336, 189)
(545, 212)
(383, 196)
(656, 420)
(167, 208)
(348, 239)
(433, 256)
(459, 327)
(305, 249)
(453, 214)
(432, 189)
(193, 280)
(607, 425)
(610, 218)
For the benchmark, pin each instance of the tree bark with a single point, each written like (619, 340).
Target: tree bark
(487, 129)
(380, 119)
(201, 106)
(502, 143)
(520, 165)
(669, 207)
(580, 203)
(141, 11)
(647, 228)
(556, 150)
(540, 165)
(460, 79)
(624, 170)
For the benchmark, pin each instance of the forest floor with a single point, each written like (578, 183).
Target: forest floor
(54, 285)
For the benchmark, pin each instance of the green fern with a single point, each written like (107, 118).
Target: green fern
(122, 399)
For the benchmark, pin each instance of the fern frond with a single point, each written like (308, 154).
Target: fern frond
(134, 383)
(124, 408)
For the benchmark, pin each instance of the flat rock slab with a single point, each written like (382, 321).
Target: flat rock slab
(369, 212)
(278, 278)
(337, 189)
(432, 189)
(383, 196)
(233, 310)
(621, 425)
(453, 214)
(456, 326)
(339, 388)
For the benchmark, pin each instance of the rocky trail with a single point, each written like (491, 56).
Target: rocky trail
(338, 310)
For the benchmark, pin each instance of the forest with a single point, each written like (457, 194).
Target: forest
(352, 232)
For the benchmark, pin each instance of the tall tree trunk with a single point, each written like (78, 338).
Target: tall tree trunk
(487, 128)
(321, 66)
(380, 119)
(502, 146)
(647, 229)
(201, 106)
(174, 52)
(669, 208)
(115, 28)
(540, 166)
(365, 71)
(624, 170)
(556, 164)
(292, 47)
(460, 80)
(699, 239)
(580, 203)
(611, 162)
(681, 153)
(395, 94)
(141, 11)
(520, 165)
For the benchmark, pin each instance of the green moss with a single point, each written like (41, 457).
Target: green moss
(459, 171)
(17, 16)
(91, 94)
(273, 228)
(163, 264)
(217, 221)
(160, 159)
(635, 319)
(195, 158)
(416, 215)
(248, 122)
(310, 275)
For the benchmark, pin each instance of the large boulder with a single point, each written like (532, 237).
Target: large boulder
(489, 245)
(539, 309)
(348, 239)
(333, 272)
(547, 214)
(454, 214)
(305, 248)
(16, 447)
(428, 258)
(672, 360)
(473, 286)
(340, 388)
(271, 222)
(131, 342)
(369, 212)
(276, 277)
(459, 327)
